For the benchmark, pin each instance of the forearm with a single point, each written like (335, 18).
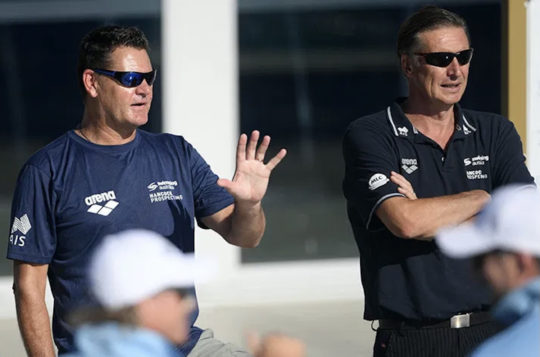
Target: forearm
(421, 218)
(247, 225)
(34, 325)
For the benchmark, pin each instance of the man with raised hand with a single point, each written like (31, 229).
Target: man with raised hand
(107, 176)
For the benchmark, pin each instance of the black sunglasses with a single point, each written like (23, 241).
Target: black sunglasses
(129, 79)
(443, 59)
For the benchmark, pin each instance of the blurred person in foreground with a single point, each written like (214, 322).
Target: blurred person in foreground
(421, 164)
(107, 176)
(145, 297)
(504, 242)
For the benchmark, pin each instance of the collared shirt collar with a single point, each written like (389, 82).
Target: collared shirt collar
(402, 126)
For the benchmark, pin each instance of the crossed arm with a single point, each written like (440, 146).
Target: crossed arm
(410, 217)
(243, 222)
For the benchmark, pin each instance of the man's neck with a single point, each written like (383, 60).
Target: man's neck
(435, 122)
(100, 131)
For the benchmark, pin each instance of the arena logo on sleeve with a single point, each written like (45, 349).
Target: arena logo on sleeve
(23, 226)
(377, 181)
(107, 198)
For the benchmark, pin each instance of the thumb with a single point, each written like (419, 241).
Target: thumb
(225, 183)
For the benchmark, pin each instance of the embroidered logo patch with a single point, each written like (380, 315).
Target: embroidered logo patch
(377, 181)
(409, 165)
(403, 131)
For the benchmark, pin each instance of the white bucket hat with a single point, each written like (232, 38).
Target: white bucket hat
(133, 265)
(510, 221)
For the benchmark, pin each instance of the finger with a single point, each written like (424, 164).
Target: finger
(397, 179)
(400, 180)
(241, 148)
(404, 186)
(252, 145)
(225, 183)
(276, 159)
(408, 193)
(261, 150)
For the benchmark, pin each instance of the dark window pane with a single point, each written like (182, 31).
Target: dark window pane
(304, 75)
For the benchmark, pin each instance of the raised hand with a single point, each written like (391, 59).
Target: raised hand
(405, 186)
(251, 177)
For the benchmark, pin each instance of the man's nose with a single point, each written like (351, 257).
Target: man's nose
(143, 89)
(453, 68)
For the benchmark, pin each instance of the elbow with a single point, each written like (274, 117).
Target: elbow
(253, 244)
(403, 232)
(244, 242)
(406, 228)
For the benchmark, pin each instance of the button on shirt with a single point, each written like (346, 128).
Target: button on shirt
(408, 278)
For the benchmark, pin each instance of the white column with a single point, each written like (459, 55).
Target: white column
(533, 87)
(200, 93)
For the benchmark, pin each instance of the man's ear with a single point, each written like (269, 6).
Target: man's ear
(406, 65)
(90, 82)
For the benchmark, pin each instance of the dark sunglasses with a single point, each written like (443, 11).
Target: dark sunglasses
(184, 292)
(443, 59)
(129, 79)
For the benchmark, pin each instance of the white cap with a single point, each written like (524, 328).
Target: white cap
(133, 265)
(510, 221)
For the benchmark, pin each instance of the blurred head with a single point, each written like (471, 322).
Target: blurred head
(505, 271)
(141, 274)
(503, 240)
(433, 47)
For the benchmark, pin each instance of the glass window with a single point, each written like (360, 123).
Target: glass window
(304, 75)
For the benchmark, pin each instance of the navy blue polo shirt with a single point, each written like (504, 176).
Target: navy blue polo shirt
(72, 193)
(408, 278)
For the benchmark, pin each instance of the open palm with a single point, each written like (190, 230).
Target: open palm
(251, 177)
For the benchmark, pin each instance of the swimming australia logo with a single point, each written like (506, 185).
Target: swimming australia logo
(409, 165)
(403, 131)
(476, 175)
(101, 203)
(23, 226)
(377, 181)
(479, 160)
(163, 191)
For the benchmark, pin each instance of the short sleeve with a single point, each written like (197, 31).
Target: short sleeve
(32, 236)
(208, 197)
(509, 166)
(370, 156)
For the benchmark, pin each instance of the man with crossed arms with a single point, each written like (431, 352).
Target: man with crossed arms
(421, 164)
